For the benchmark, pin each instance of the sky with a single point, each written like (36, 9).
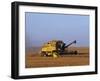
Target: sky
(43, 27)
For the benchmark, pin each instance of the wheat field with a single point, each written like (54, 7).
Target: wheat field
(33, 59)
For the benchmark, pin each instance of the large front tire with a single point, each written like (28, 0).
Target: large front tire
(43, 54)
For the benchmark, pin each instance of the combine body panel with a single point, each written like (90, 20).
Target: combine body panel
(48, 47)
(55, 48)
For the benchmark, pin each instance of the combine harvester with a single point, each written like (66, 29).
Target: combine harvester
(56, 48)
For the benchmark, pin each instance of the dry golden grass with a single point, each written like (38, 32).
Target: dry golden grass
(35, 60)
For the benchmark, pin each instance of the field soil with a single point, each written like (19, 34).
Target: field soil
(34, 59)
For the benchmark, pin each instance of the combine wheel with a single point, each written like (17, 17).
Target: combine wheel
(76, 53)
(43, 54)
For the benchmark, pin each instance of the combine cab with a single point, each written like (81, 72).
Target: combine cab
(56, 48)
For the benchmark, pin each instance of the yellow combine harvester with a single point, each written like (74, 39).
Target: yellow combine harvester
(55, 48)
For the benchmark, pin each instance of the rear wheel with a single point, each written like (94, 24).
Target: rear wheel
(76, 53)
